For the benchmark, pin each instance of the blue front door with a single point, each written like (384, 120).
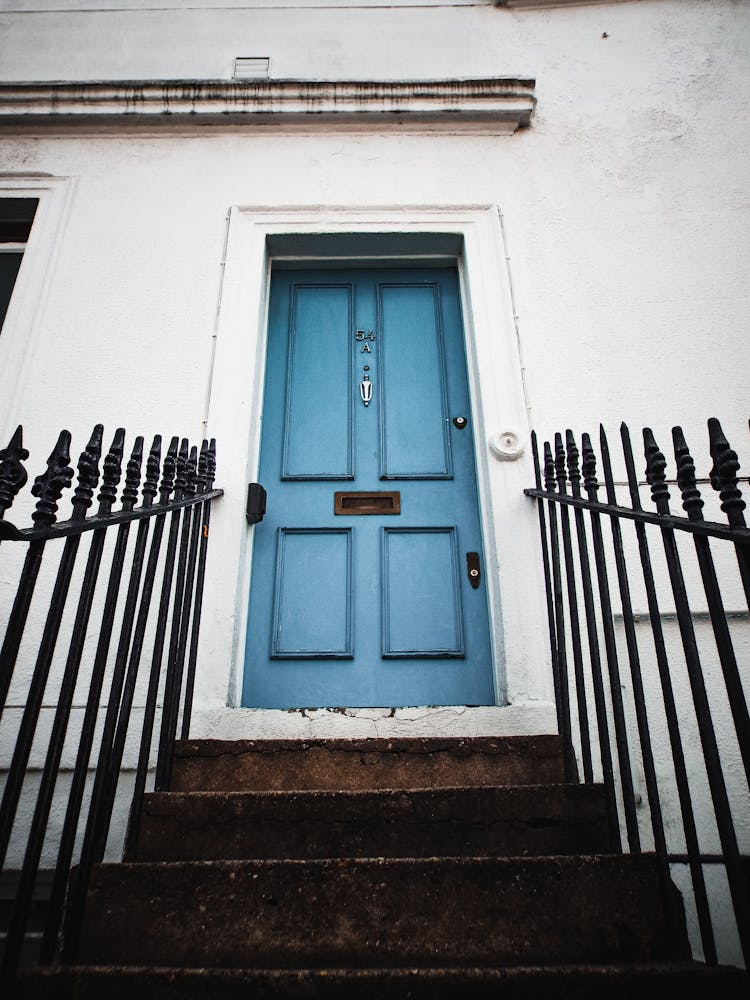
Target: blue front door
(368, 576)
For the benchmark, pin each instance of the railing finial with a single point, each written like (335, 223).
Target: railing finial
(182, 470)
(192, 472)
(590, 482)
(656, 465)
(724, 474)
(201, 469)
(686, 480)
(169, 468)
(211, 464)
(560, 470)
(112, 470)
(13, 476)
(153, 467)
(549, 469)
(574, 473)
(88, 472)
(49, 485)
(133, 475)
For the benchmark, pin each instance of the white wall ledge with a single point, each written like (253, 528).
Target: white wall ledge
(543, 4)
(504, 102)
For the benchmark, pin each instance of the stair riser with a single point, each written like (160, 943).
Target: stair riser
(563, 819)
(377, 913)
(214, 765)
(443, 984)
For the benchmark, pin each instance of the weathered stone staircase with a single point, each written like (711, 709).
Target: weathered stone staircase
(419, 868)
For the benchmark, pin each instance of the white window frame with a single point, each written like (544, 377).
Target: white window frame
(20, 333)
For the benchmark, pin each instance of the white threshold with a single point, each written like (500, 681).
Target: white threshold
(526, 719)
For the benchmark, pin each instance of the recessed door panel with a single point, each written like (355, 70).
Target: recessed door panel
(319, 390)
(359, 593)
(415, 438)
(312, 614)
(421, 593)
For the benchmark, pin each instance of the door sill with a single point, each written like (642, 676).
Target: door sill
(520, 719)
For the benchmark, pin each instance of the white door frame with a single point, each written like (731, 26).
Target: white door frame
(500, 412)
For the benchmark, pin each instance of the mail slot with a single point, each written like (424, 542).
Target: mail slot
(367, 503)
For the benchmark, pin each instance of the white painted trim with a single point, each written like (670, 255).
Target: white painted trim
(139, 6)
(546, 4)
(509, 519)
(22, 321)
(499, 103)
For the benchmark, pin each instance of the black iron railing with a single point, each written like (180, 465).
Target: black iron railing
(59, 633)
(675, 688)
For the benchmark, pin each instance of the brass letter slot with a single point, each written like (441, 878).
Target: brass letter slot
(367, 503)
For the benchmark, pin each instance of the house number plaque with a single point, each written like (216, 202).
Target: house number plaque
(366, 338)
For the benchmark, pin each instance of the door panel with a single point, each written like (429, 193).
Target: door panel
(421, 593)
(319, 352)
(314, 619)
(415, 440)
(365, 600)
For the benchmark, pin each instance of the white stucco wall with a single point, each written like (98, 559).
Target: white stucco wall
(620, 246)
(622, 208)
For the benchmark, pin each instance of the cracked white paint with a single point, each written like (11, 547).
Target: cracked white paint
(359, 723)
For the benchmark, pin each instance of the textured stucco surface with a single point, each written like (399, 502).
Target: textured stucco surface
(624, 215)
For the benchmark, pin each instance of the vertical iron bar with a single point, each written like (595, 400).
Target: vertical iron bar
(655, 466)
(575, 625)
(547, 584)
(48, 487)
(203, 513)
(639, 697)
(124, 680)
(670, 709)
(171, 699)
(693, 504)
(110, 757)
(191, 526)
(600, 703)
(724, 480)
(149, 714)
(615, 688)
(88, 476)
(78, 782)
(571, 768)
(17, 619)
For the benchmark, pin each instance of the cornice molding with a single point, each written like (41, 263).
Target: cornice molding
(506, 104)
(544, 4)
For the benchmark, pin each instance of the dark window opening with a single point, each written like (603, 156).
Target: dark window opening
(16, 218)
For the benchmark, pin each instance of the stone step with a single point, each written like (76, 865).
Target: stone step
(687, 980)
(514, 820)
(296, 765)
(379, 912)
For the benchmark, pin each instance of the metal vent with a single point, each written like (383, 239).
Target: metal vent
(250, 66)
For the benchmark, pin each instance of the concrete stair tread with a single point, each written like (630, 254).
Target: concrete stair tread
(372, 763)
(540, 982)
(361, 793)
(494, 820)
(379, 911)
